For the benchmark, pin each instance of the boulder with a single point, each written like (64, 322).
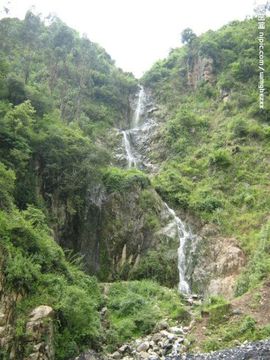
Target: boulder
(89, 355)
(156, 337)
(176, 330)
(124, 348)
(162, 325)
(144, 346)
(39, 331)
(116, 355)
(41, 312)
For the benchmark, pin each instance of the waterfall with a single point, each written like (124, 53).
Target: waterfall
(131, 156)
(139, 107)
(133, 160)
(183, 235)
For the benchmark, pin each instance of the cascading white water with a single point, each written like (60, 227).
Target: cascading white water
(183, 236)
(139, 107)
(132, 160)
(131, 157)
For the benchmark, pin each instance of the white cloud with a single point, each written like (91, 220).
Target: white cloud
(138, 32)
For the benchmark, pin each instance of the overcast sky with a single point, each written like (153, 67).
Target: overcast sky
(136, 33)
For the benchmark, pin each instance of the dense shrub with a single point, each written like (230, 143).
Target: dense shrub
(173, 187)
(135, 307)
(116, 179)
(220, 158)
(7, 182)
(203, 199)
(157, 265)
(35, 266)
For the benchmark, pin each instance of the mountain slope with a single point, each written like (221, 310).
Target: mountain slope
(63, 105)
(59, 95)
(62, 101)
(216, 147)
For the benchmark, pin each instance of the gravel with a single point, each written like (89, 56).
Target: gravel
(259, 350)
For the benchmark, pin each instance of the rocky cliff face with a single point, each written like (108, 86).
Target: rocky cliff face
(202, 69)
(113, 231)
(116, 230)
(215, 262)
(39, 332)
(128, 230)
(145, 139)
(134, 223)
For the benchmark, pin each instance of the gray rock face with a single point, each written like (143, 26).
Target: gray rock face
(39, 313)
(39, 330)
(202, 69)
(215, 264)
(142, 138)
(128, 238)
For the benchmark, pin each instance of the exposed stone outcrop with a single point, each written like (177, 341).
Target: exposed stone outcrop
(216, 264)
(202, 69)
(39, 332)
(128, 231)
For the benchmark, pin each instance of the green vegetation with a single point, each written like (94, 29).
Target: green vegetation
(217, 139)
(223, 328)
(216, 309)
(233, 333)
(258, 268)
(59, 93)
(35, 268)
(116, 179)
(135, 307)
(158, 265)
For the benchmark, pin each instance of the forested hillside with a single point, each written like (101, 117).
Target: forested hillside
(91, 254)
(59, 94)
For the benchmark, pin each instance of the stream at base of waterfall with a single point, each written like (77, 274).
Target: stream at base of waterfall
(133, 158)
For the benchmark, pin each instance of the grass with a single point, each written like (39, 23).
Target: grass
(221, 324)
(135, 307)
(234, 333)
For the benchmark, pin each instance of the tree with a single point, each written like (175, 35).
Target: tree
(187, 36)
(7, 180)
(16, 93)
